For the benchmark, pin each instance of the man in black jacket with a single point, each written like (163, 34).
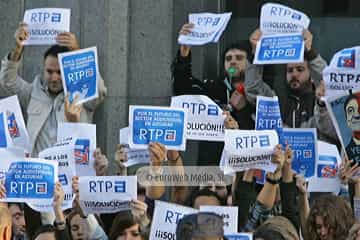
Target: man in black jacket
(222, 90)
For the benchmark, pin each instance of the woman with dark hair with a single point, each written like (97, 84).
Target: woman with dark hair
(127, 226)
(330, 218)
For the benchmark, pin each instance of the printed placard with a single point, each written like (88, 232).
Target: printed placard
(205, 117)
(344, 112)
(63, 154)
(29, 178)
(327, 169)
(157, 124)
(166, 218)
(15, 124)
(343, 72)
(44, 24)
(229, 215)
(268, 115)
(84, 135)
(79, 72)
(249, 149)
(280, 19)
(106, 194)
(281, 40)
(303, 143)
(208, 27)
(134, 156)
(280, 49)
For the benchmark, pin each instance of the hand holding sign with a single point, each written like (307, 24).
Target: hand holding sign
(278, 157)
(185, 30)
(308, 38)
(230, 122)
(68, 39)
(347, 170)
(59, 196)
(72, 109)
(254, 39)
(157, 153)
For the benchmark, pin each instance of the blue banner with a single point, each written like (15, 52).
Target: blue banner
(303, 144)
(280, 49)
(150, 124)
(30, 180)
(80, 72)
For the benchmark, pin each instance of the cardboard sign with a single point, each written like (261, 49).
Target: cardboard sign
(205, 117)
(44, 24)
(79, 73)
(303, 143)
(29, 178)
(165, 219)
(250, 149)
(343, 73)
(106, 194)
(157, 124)
(84, 135)
(208, 27)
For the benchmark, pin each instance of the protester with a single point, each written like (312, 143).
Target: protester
(43, 99)
(128, 227)
(330, 217)
(18, 221)
(205, 226)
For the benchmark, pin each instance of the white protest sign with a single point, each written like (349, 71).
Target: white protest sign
(239, 236)
(165, 219)
(134, 156)
(208, 27)
(15, 124)
(281, 40)
(343, 73)
(248, 149)
(63, 154)
(229, 215)
(27, 179)
(327, 168)
(85, 145)
(106, 194)
(205, 117)
(80, 74)
(279, 19)
(157, 124)
(5, 138)
(303, 143)
(44, 24)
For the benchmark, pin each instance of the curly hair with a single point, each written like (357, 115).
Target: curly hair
(336, 214)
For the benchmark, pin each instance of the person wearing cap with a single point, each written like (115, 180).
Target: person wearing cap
(300, 105)
(203, 225)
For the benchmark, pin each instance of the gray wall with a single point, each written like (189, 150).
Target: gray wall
(136, 41)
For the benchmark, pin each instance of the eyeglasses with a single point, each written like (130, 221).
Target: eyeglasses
(238, 57)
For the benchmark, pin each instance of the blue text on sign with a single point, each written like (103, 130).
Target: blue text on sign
(198, 108)
(44, 17)
(205, 21)
(107, 186)
(250, 141)
(173, 217)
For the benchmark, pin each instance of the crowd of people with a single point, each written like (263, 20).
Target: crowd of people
(280, 209)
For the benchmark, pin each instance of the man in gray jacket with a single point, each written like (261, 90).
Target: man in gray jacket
(300, 104)
(43, 99)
